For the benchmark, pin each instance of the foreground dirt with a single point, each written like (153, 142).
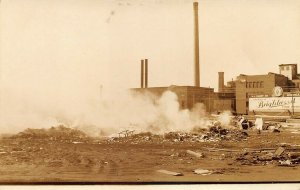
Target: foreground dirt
(122, 160)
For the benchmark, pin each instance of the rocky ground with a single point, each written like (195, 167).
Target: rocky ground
(61, 154)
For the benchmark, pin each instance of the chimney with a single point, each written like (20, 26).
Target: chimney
(146, 73)
(196, 43)
(221, 81)
(142, 73)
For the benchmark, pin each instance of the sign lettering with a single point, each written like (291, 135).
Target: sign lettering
(274, 104)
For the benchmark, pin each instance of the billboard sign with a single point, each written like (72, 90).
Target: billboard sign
(275, 104)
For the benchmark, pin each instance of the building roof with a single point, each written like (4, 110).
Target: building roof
(175, 86)
(288, 64)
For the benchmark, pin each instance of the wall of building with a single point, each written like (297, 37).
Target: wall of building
(288, 70)
(200, 95)
(296, 84)
(249, 85)
(282, 81)
(224, 102)
(188, 96)
(221, 105)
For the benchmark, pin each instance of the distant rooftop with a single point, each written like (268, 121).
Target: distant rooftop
(288, 64)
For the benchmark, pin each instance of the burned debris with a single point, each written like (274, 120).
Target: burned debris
(59, 133)
(215, 150)
(279, 156)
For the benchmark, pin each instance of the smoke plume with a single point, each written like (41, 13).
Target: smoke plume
(104, 114)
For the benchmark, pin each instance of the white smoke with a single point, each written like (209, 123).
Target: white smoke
(225, 118)
(109, 113)
(146, 113)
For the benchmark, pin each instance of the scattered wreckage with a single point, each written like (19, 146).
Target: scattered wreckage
(237, 130)
(216, 142)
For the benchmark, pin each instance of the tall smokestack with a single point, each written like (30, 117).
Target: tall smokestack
(221, 81)
(142, 73)
(146, 73)
(196, 43)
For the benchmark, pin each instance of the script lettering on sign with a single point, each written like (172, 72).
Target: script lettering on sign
(274, 104)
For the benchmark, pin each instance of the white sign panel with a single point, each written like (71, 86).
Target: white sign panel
(275, 104)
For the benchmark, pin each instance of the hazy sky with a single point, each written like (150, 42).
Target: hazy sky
(55, 54)
(71, 45)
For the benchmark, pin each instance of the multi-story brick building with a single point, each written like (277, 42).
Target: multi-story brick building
(251, 85)
(262, 86)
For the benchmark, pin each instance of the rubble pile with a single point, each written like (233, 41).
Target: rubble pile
(280, 157)
(59, 133)
(219, 133)
(213, 134)
(183, 137)
(274, 127)
(145, 137)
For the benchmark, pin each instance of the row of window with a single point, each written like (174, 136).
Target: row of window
(258, 84)
(286, 68)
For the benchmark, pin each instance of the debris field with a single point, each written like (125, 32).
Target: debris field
(215, 154)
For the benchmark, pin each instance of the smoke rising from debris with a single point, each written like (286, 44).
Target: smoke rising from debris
(107, 114)
(225, 118)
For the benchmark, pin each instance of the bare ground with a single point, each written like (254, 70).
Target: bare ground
(39, 160)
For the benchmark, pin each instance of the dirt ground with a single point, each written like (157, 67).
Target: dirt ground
(123, 160)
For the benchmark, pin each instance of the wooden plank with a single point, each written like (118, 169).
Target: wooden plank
(170, 172)
(198, 155)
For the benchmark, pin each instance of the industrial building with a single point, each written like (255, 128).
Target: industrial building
(188, 96)
(256, 85)
(279, 93)
(247, 94)
(225, 97)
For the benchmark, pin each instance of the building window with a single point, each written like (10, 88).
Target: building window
(282, 68)
(287, 68)
(261, 84)
(247, 84)
(250, 84)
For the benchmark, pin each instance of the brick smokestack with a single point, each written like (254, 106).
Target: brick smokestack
(221, 81)
(142, 73)
(196, 43)
(146, 73)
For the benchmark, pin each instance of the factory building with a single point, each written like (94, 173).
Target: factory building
(225, 97)
(256, 85)
(291, 71)
(254, 91)
(247, 94)
(188, 96)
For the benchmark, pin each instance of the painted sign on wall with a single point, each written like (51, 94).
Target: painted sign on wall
(274, 104)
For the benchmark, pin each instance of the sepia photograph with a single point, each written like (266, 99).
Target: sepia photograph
(126, 92)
